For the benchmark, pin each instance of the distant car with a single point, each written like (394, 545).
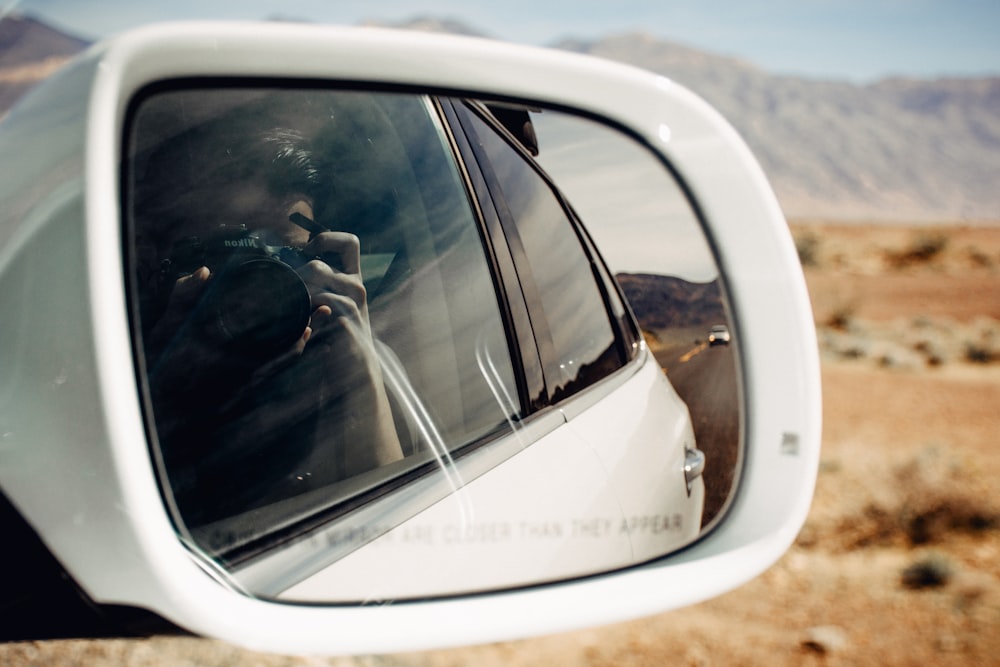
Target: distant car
(719, 335)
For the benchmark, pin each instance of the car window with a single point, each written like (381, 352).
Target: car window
(581, 346)
(316, 313)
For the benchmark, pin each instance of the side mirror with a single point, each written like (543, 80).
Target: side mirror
(376, 322)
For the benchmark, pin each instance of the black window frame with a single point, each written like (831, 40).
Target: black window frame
(514, 307)
(625, 328)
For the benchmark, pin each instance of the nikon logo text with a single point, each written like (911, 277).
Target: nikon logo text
(240, 243)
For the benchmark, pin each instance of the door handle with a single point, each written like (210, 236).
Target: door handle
(694, 466)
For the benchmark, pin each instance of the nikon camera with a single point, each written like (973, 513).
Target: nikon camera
(255, 303)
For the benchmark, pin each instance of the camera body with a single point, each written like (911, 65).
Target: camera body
(255, 303)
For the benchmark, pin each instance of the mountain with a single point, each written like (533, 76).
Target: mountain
(24, 40)
(29, 52)
(898, 149)
(664, 302)
(895, 150)
(430, 24)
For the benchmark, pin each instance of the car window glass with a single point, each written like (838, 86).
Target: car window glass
(316, 312)
(556, 267)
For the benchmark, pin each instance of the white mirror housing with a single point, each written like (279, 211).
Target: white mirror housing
(73, 454)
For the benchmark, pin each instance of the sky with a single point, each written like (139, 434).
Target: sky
(856, 40)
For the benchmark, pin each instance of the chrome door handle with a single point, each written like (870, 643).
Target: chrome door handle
(694, 466)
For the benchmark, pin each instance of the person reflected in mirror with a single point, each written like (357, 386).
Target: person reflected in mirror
(262, 371)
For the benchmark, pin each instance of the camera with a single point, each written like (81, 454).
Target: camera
(255, 304)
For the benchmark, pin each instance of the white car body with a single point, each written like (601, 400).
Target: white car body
(581, 499)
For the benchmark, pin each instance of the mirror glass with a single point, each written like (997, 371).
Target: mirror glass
(393, 345)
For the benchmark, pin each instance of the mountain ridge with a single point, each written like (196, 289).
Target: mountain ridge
(898, 149)
(25, 39)
(667, 302)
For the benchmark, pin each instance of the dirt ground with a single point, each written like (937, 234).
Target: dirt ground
(899, 561)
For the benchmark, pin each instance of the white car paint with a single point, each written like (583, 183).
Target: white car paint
(585, 498)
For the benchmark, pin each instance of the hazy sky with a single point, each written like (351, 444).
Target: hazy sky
(861, 40)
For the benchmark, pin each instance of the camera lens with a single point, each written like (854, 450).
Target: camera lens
(260, 306)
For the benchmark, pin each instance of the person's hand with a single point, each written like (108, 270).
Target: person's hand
(182, 355)
(195, 383)
(334, 277)
(214, 408)
(339, 368)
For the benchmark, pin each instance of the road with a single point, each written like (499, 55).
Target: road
(705, 377)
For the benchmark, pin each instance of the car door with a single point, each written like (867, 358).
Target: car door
(592, 382)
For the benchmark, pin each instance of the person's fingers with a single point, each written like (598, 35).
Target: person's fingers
(320, 317)
(345, 245)
(300, 344)
(340, 306)
(193, 282)
(187, 288)
(321, 279)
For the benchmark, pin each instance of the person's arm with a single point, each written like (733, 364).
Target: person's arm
(341, 343)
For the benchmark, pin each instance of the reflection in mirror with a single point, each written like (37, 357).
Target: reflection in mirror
(381, 358)
(651, 240)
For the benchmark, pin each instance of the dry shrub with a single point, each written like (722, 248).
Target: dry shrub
(807, 246)
(978, 354)
(928, 501)
(930, 570)
(922, 249)
(840, 318)
(930, 518)
(978, 258)
(982, 341)
(911, 344)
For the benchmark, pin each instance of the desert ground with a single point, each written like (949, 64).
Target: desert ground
(899, 560)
